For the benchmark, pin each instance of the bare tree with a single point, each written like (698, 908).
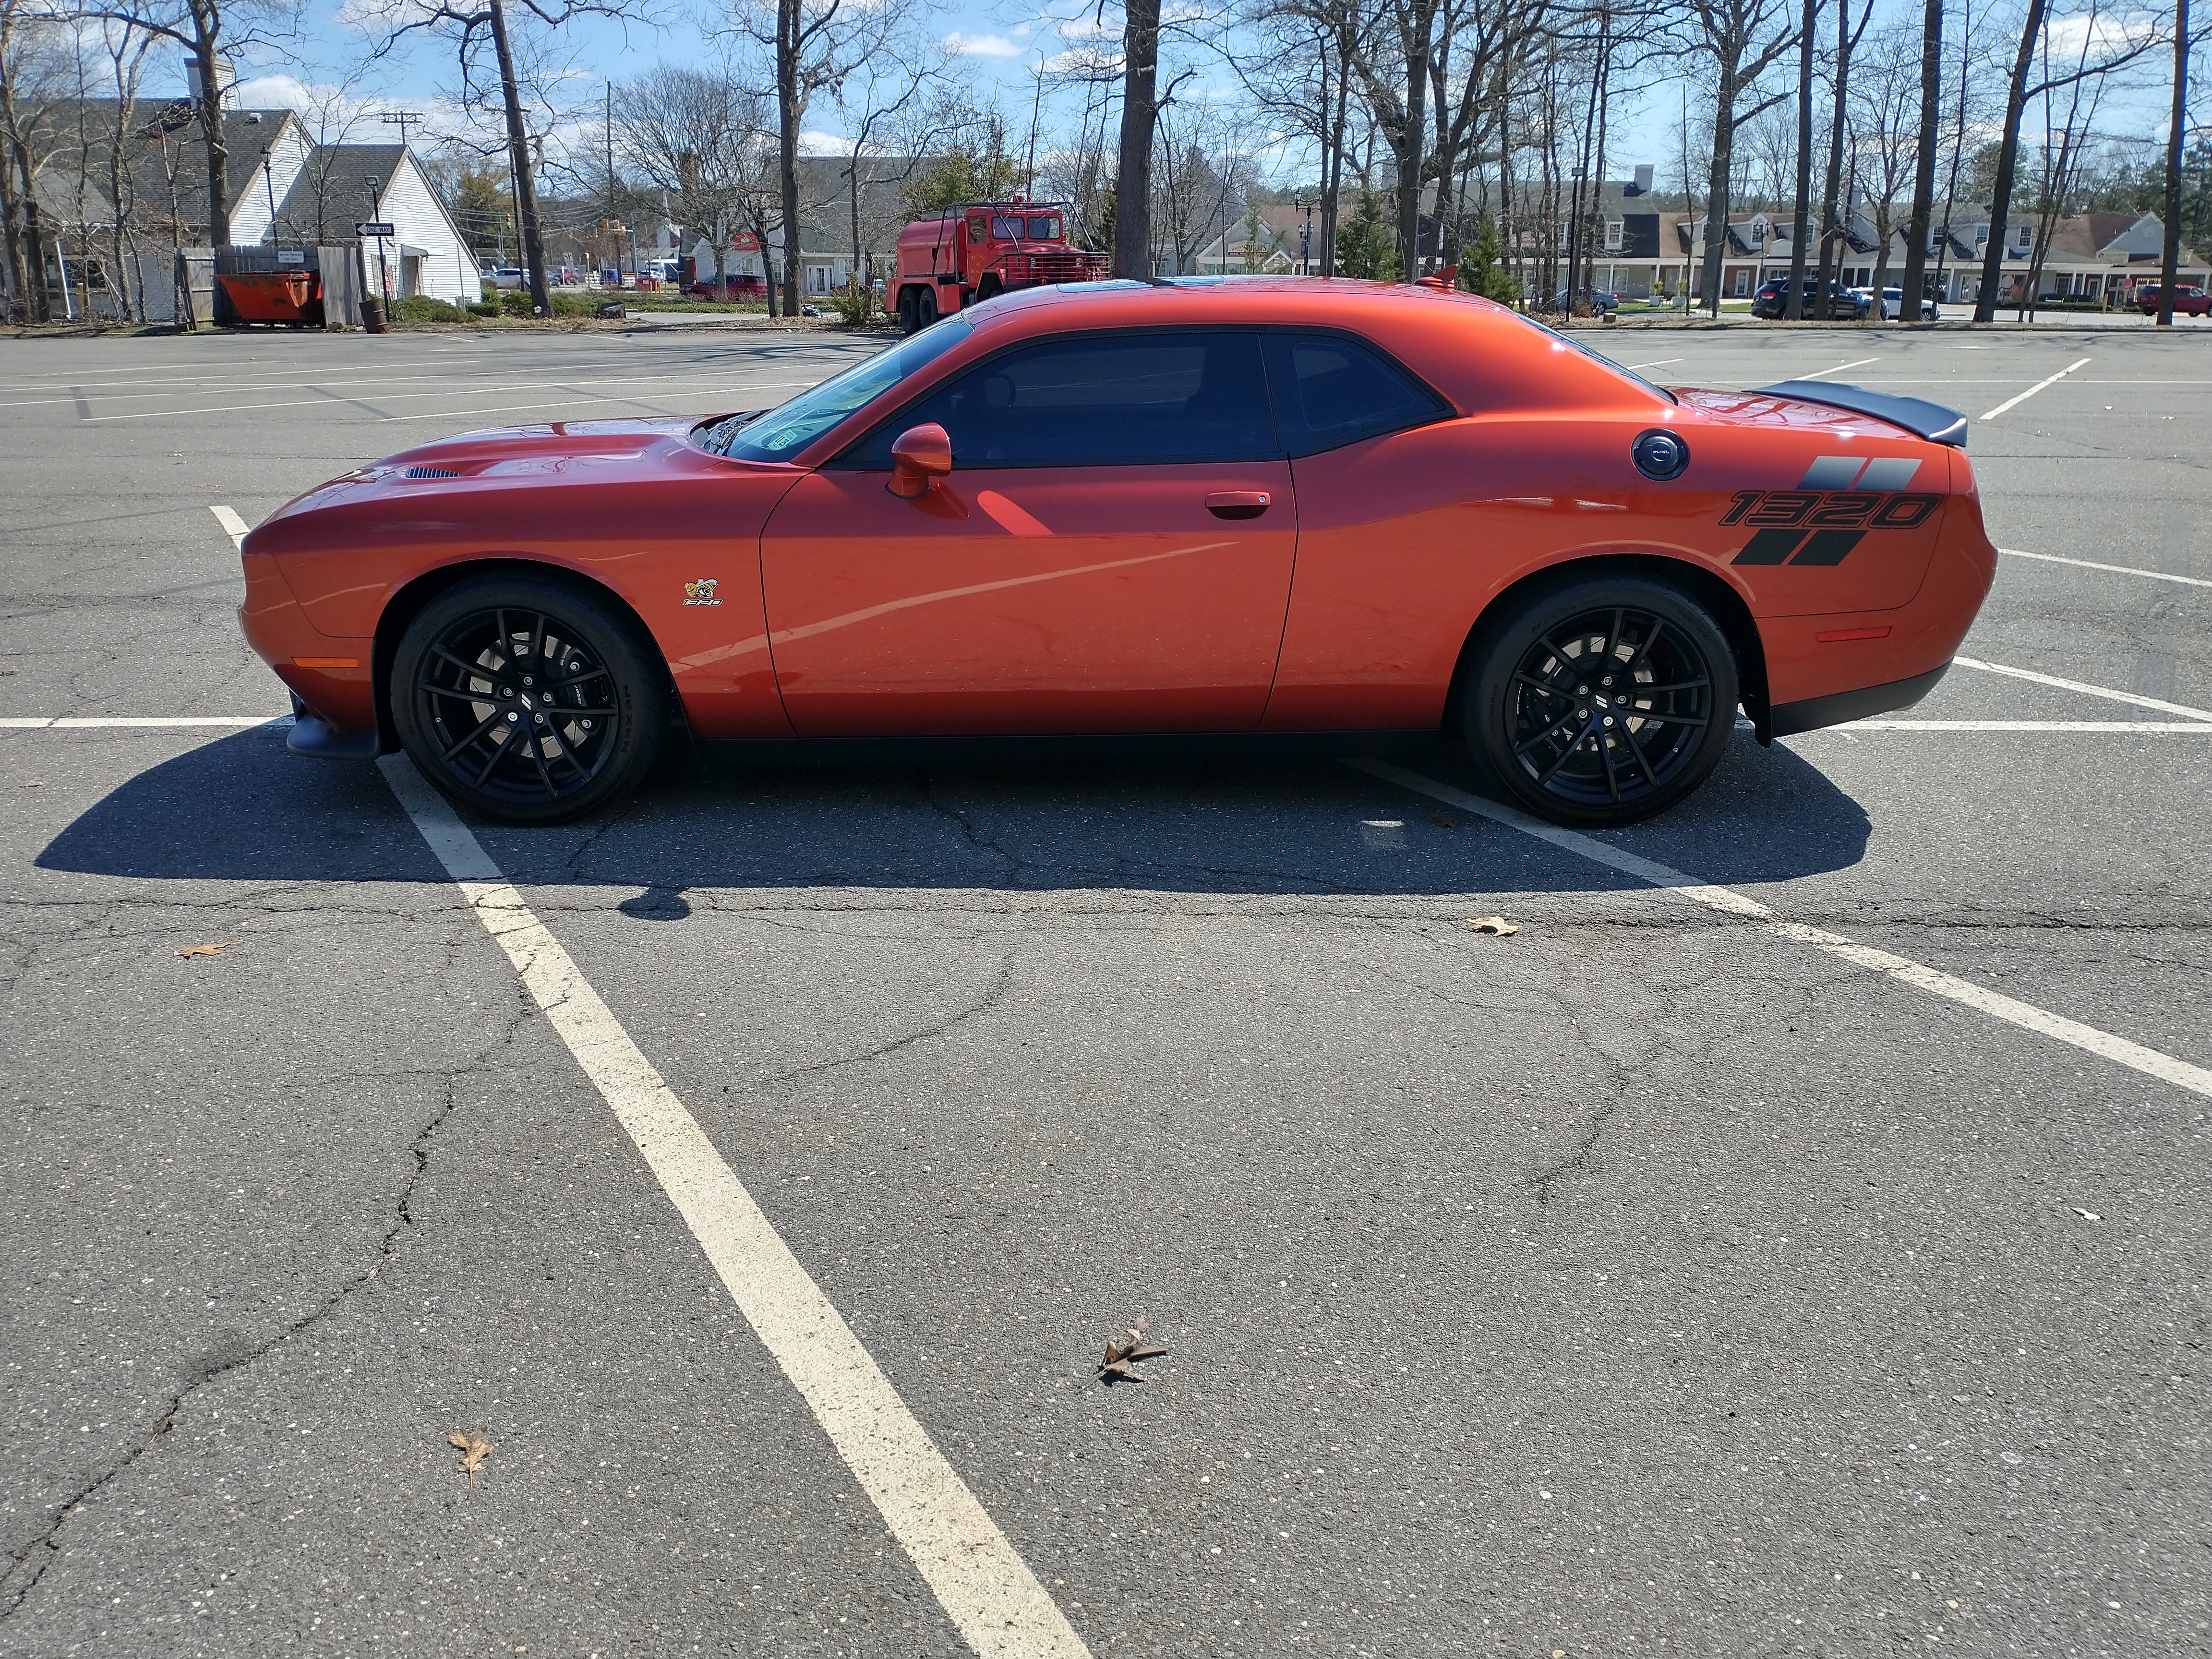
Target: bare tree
(1832, 214)
(334, 113)
(1883, 150)
(470, 26)
(878, 97)
(1742, 39)
(814, 45)
(2169, 264)
(32, 59)
(693, 134)
(2117, 47)
(1923, 162)
(1133, 185)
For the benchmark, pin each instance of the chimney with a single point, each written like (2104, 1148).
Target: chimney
(1642, 182)
(226, 77)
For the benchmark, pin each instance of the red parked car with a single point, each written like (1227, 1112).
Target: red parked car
(736, 287)
(1333, 513)
(2189, 300)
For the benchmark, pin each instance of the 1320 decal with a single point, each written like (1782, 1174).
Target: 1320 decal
(1818, 526)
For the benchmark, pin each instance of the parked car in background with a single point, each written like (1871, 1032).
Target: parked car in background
(1893, 306)
(735, 286)
(503, 276)
(2189, 299)
(1772, 301)
(1596, 300)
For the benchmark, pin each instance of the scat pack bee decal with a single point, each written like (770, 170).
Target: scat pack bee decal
(1839, 499)
(701, 592)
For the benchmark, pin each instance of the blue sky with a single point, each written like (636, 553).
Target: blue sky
(999, 44)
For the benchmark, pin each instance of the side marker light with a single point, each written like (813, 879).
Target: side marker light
(325, 662)
(1837, 636)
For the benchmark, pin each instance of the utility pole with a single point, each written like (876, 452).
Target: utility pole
(403, 119)
(2169, 268)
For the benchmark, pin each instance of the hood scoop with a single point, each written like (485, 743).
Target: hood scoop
(430, 472)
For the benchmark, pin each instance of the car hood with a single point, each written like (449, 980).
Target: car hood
(596, 452)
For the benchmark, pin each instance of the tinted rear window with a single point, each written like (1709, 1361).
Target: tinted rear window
(1331, 390)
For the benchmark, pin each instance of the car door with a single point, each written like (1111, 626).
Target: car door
(1111, 551)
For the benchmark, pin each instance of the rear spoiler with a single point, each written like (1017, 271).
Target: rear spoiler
(1923, 419)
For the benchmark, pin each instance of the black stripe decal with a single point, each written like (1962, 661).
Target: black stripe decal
(1828, 546)
(1770, 547)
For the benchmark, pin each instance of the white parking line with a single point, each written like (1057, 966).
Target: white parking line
(232, 525)
(2202, 727)
(1857, 363)
(1656, 362)
(66, 723)
(2117, 569)
(985, 1587)
(2033, 390)
(2151, 1063)
(2085, 688)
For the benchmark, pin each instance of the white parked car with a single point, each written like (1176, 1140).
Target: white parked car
(503, 275)
(1893, 306)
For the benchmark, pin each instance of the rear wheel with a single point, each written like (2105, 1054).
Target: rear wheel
(1600, 701)
(527, 698)
(925, 308)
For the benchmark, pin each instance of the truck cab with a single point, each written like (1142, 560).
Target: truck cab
(975, 249)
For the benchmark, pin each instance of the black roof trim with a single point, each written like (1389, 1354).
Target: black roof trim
(1923, 419)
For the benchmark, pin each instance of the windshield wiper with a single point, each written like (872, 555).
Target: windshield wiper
(719, 436)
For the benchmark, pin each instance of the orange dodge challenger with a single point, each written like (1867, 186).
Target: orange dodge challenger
(1273, 510)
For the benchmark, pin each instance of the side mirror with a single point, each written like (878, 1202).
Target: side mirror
(919, 455)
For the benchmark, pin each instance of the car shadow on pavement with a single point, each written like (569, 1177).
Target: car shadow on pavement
(242, 809)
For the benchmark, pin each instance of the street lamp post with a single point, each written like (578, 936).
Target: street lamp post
(269, 182)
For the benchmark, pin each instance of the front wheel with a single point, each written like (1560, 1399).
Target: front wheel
(1600, 701)
(527, 698)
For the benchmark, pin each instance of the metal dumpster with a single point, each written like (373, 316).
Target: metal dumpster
(272, 296)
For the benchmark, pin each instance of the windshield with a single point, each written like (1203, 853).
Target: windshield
(1570, 341)
(785, 430)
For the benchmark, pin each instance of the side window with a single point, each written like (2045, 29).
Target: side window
(1330, 391)
(1101, 400)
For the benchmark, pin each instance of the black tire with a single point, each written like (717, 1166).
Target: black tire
(925, 309)
(1550, 731)
(906, 309)
(547, 661)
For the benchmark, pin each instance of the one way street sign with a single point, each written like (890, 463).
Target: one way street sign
(374, 227)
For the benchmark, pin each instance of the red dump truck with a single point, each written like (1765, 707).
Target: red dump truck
(969, 252)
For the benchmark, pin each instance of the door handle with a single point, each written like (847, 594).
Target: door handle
(1237, 503)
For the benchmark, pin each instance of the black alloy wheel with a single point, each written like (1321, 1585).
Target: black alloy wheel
(527, 698)
(1600, 701)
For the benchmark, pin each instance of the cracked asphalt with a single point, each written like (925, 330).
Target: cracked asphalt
(1640, 1281)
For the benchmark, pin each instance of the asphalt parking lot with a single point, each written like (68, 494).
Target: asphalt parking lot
(1666, 1276)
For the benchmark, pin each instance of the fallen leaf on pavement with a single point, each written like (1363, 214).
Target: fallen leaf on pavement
(2085, 1215)
(34, 783)
(1494, 925)
(1121, 1354)
(474, 1449)
(215, 949)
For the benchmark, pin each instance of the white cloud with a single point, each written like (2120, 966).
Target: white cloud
(811, 142)
(981, 45)
(272, 92)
